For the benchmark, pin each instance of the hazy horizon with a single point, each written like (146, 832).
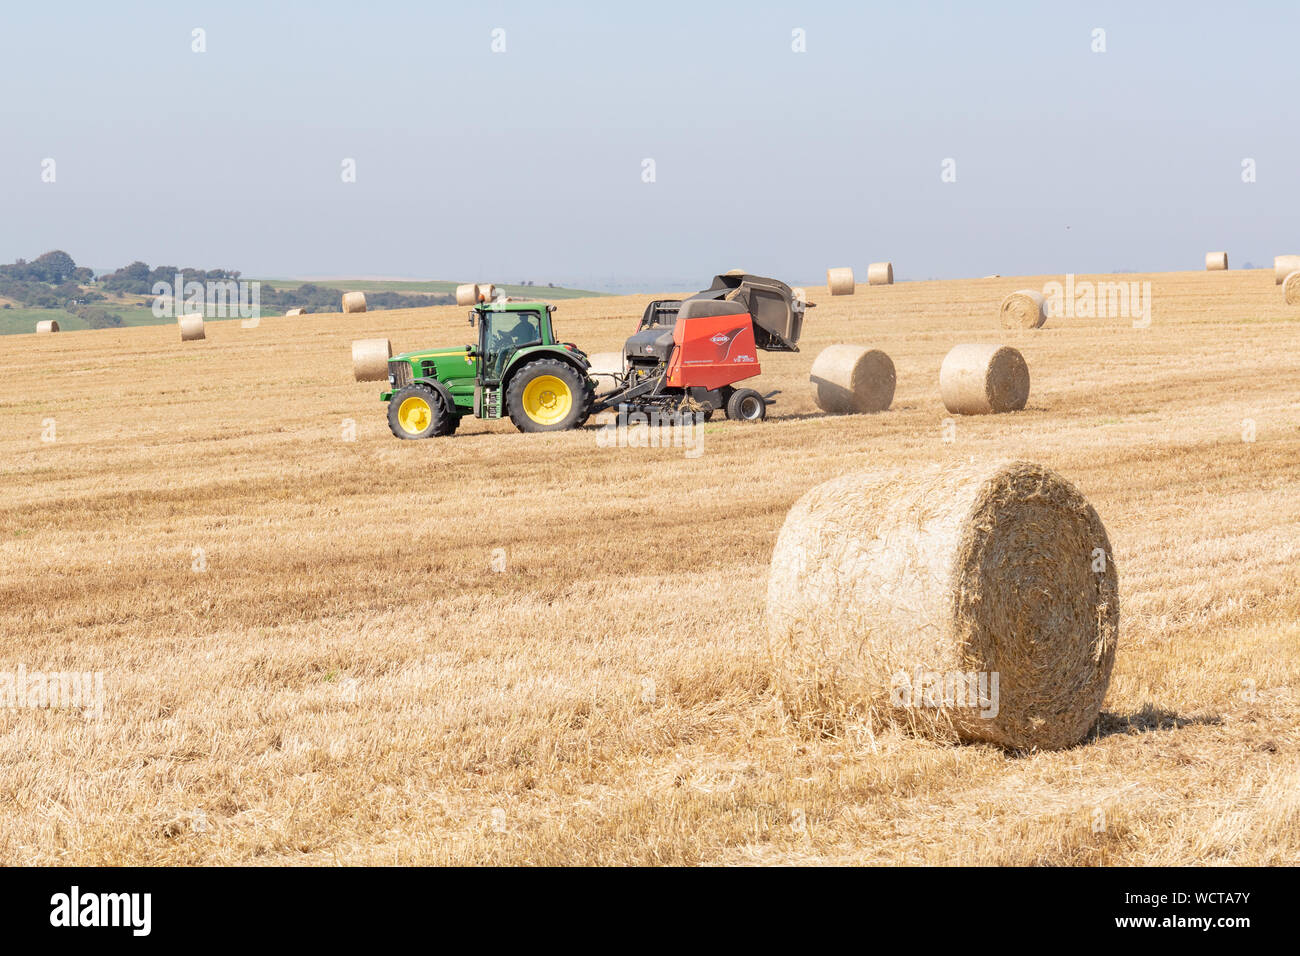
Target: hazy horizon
(528, 163)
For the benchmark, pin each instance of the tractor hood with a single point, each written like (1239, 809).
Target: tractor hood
(423, 354)
(778, 315)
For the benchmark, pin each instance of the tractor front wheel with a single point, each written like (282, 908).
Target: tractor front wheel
(548, 395)
(418, 411)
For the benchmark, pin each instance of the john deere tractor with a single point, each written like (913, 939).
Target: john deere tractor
(517, 368)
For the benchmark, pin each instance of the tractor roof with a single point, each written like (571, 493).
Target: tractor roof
(509, 306)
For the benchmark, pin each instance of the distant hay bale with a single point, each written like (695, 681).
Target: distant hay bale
(47, 327)
(354, 302)
(880, 273)
(995, 275)
(486, 291)
(1290, 289)
(984, 379)
(296, 312)
(466, 293)
(191, 326)
(897, 597)
(607, 370)
(849, 379)
(1216, 261)
(1024, 309)
(1283, 266)
(370, 359)
(840, 281)
(735, 272)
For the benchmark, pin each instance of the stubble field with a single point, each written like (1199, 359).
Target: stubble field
(506, 648)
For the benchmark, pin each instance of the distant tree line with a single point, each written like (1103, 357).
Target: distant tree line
(55, 281)
(316, 298)
(52, 281)
(139, 279)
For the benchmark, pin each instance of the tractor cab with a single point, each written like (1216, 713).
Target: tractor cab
(504, 329)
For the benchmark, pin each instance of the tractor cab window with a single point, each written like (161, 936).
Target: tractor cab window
(503, 334)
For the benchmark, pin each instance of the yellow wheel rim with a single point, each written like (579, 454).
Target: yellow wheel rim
(547, 399)
(414, 415)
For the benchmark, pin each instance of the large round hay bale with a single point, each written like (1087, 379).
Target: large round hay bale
(1024, 309)
(47, 327)
(984, 379)
(1216, 261)
(486, 291)
(354, 302)
(840, 281)
(898, 596)
(607, 369)
(293, 312)
(1283, 266)
(191, 326)
(466, 293)
(1290, 289)
(850, 378)
(880, 273)
(370, 359)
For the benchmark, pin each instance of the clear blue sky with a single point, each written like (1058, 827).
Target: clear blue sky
(528, 163)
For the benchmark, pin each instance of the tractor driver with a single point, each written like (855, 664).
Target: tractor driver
(523, 331)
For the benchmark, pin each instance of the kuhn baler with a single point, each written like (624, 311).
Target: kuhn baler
(688, 355)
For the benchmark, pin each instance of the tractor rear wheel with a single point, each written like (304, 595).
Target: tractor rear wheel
(418, 411)
(548, 395)
(746, 405)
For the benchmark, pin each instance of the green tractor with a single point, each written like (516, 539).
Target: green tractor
(516, 369)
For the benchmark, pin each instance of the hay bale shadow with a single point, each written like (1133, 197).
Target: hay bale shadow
(1147, 719)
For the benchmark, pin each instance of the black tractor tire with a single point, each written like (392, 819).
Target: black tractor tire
(541, 409)
(746, 405)
(419, 411)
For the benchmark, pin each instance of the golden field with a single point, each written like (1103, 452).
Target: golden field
(308, 656)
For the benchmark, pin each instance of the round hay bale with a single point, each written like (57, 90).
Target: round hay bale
(880, 273)
(840, 281)
(607, 369)
(1024, 309)
(984, 379)
(898, 596)
(1216, 261)
(735, 272)
(1290, 289)
(850, 378)
(47, 327)
(191, 327)
(354, 302)
(370, 359)
(486, 291)
(1283, 266)
(296, 312)
(466, 293)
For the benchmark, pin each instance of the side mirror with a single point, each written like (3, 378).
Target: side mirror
(473, 318)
